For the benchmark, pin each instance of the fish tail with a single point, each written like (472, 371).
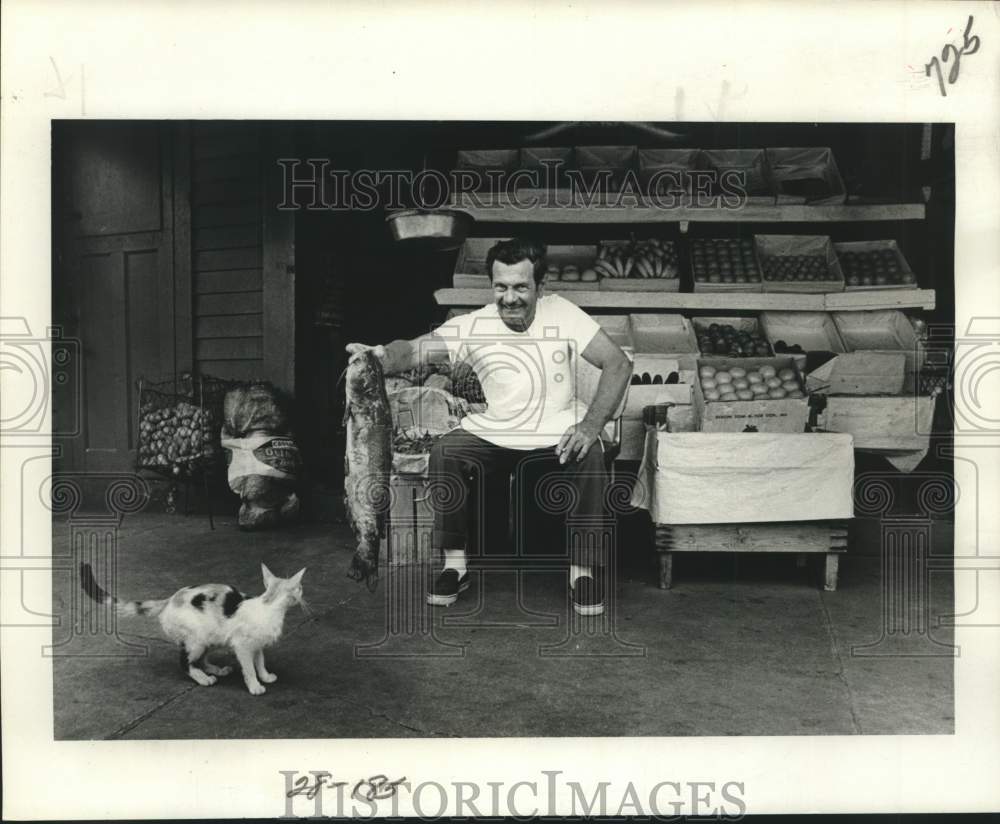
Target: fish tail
(363, 569)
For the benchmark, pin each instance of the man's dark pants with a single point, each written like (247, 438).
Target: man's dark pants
(577, 489)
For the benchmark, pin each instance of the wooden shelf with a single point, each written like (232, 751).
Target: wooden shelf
(490, 209)
(736, 301)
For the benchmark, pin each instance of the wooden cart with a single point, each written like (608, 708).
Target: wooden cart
(826, 537)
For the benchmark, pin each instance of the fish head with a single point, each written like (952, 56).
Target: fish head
(365, 377)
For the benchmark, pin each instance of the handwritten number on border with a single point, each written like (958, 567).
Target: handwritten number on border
(970, 45)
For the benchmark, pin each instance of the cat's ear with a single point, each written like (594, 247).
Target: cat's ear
(269, 577)
(296, 579)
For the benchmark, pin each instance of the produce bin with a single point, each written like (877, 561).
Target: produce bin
(770, 415)
(579, 255)
(179, 423)
(882, 425)
(859, 373)
(898, 275)
(618, 160)
(664, 334)
(618, 328)
(759, 187)
(772, 248)
(486, 161)
(709, 278)
(534, 159)
(813, 331)
(634, 282)
(750, 325)
(666, 171)
(681, 414)
(807, 175)
(883, 330)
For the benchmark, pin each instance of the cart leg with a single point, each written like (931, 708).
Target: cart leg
(208, 501)
(830, 577)
(666, 569)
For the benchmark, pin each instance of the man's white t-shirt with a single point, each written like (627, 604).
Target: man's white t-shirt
(528, 378)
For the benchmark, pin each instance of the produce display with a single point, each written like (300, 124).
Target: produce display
(877, 267)
(263, 459)
(645, 379)
(795, 267)
(723, 339)
(653, 258)
(177, 437)
(782, 348)
(571, 273)
(720, 260)
(738, 384)
(412, 442)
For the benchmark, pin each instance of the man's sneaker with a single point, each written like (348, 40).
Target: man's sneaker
(445, 591)
(587, 597)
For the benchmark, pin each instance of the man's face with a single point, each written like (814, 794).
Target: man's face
(515, 292)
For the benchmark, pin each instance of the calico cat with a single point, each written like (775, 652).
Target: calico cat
(200, 619)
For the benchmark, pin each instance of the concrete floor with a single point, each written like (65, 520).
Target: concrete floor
(747, 646)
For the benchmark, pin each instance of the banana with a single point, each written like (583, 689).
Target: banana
(605, 269)
(628, 267)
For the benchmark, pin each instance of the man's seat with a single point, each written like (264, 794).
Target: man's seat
(587, 377)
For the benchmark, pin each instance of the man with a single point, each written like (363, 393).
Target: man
(524, 348)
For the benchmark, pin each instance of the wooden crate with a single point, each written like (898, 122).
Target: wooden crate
(411, 521)
(823, 537)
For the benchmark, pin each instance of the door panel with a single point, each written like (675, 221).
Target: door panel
(116, 231)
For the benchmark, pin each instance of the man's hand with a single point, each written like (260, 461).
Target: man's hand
(576, 442)
(355, 349)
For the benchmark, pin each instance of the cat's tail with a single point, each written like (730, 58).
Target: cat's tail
(123, 608)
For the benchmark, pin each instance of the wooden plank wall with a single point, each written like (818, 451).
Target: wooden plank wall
(226, 250)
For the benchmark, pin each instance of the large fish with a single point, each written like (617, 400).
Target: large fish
(367, 463)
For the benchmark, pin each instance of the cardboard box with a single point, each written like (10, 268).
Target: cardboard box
(657, 367)
(813, 331)
(611, 162)
(908, 282)
(882, 425)
(699, 478)
(740, 324)
(618, 328)
(859, 373)
(667, 171)
(549, 164)
(883, 330)
(487, 161)
(790, 165)
(783, 415)
(703, 284)
(663, 334)
(786, 245)
(752, 162)
(634, 283)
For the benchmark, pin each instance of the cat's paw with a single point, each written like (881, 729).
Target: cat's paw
(207, 680)
(257, 689)
(222, 672)
(268, 677)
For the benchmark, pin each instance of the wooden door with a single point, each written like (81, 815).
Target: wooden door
(119, 290)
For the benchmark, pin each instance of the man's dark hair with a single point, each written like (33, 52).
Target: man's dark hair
(514, 251)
